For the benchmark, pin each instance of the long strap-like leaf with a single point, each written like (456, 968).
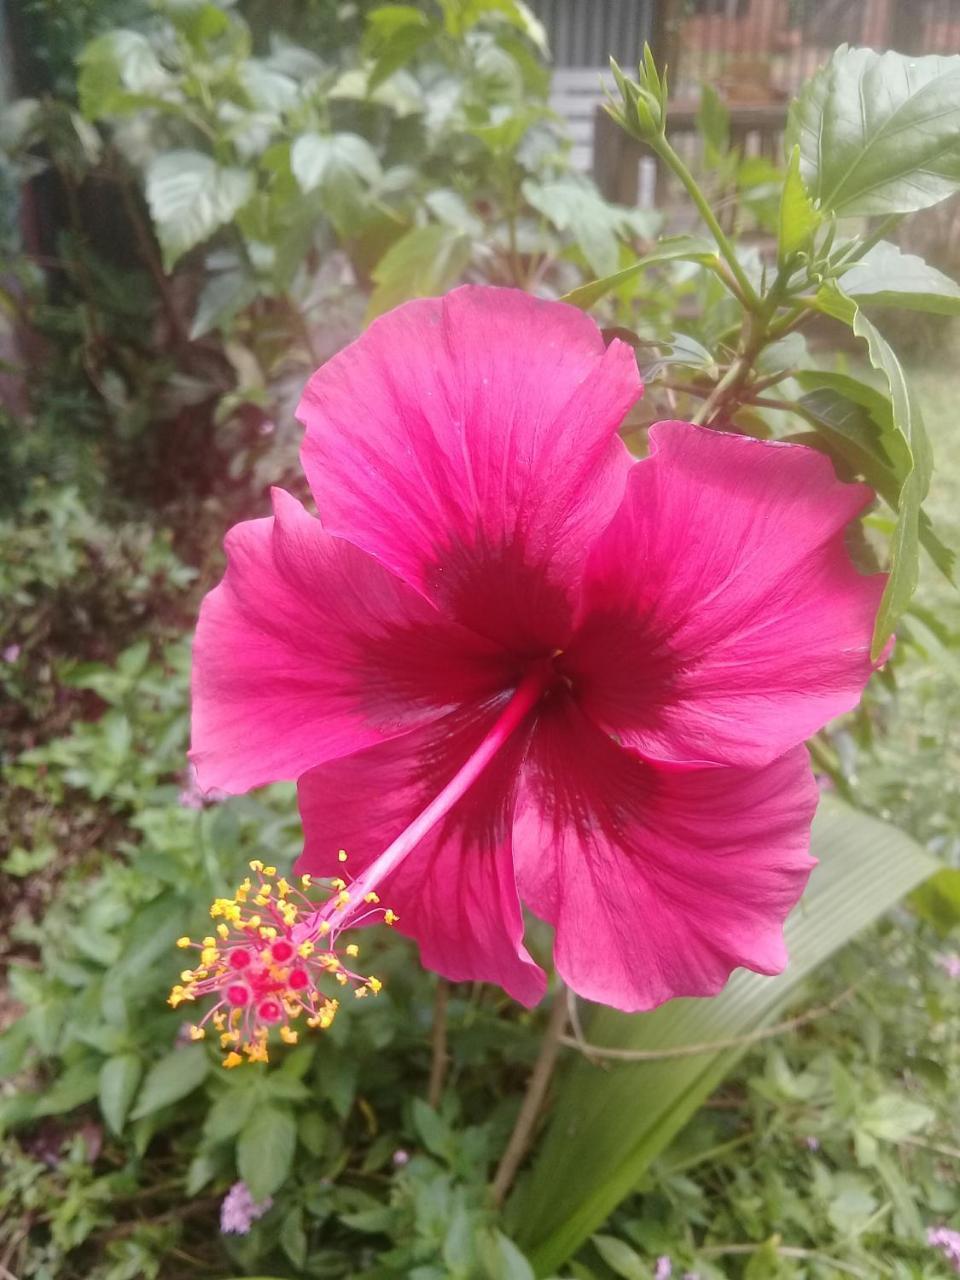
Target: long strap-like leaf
(610, 1123)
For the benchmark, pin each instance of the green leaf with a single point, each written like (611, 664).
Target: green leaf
(230, 1112)
(854, 419)
(77, 1085)
(938, 900)
(119, 1078)
(319, 159)
(432, 1129)
(620, 1258)
(265, 1150)
(293, 1237)
(610, 1123)
(879, 133)
(119, 72)
(191, 197)
(500, 1257)
(909, 451)
(672, 249)
(887, 277)
(598, 227)
(798, 217)
(172, 1078)
(713, 122)
(423, 262)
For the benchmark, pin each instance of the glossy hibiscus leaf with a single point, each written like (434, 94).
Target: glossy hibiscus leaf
(879, 133)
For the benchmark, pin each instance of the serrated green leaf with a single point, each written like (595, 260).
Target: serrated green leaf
(172, 1078)
(119, 72)
(887, 277)
(319, 159)
(798, 217)
(879, 132)
(119, 1078)
(609, 1124)
(265, 1150)
(599, 228)
(191, 197)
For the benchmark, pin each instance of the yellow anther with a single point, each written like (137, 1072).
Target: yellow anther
(343, 897)
(223, 932)
(306, 881)
(390, 917)
(267, 931)
(372, 897)
(353, 949)
(283, 887)
(242, 891)
(256, 865)
(305, 949)
(337, 883)
(269, 871)
(254, 922)
(186, 975)
(266, 889)
(342, 979)
(360, 992)
(183, 942)
(323, 928)
(209, 955)
(341, 855)
(261, 901)
(197, 1033)
(219, 1021)
(232, 1059)
(375, 985)
(209, 942)
(288, 1035)
(256, 1051)
(229, 1037)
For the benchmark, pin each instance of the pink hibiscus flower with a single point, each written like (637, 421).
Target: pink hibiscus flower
(533, 669)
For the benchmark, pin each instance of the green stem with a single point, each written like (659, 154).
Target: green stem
(669, 156)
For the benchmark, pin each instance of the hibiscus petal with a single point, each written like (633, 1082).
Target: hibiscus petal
(309, 649)
(456, 893)
(659, 881)
(723, 617)
(469, 443)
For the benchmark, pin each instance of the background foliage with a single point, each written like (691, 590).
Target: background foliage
(231, 195)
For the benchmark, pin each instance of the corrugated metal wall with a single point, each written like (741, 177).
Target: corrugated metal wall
(585, 33)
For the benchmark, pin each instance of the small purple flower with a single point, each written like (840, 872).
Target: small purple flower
(950, 964)
(948, 1242)
(664, 1268)
(811, 1142)
(401, 1157)
(240, 1211)
(11, 653)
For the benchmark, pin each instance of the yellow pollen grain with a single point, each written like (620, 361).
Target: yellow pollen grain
(288, 1035)
(232, 1059)
(353, 949)
(341, 855)
(256, 865)
(183, 942)
(372, 897)
(197, 1033)
(269, 871)
(306, 949)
